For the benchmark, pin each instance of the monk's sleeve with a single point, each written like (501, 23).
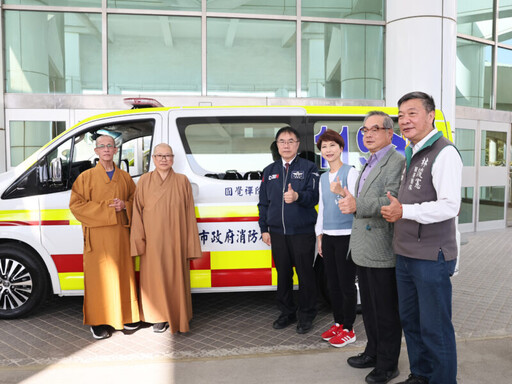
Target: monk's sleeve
(90, 213)
(137, 233)
(193, 244)
(128, 204)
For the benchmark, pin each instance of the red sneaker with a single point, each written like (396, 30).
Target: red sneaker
(331, 332)
(343, 338)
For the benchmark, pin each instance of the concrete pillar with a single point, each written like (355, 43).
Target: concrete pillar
(421, 51)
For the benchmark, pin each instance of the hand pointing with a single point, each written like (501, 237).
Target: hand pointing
(348, 203)
(392, 212)
(290, 195)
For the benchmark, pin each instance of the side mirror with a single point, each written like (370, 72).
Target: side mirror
(56, 170)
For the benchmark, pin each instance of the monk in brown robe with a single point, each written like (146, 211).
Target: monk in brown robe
(102, 200)
(164, 233)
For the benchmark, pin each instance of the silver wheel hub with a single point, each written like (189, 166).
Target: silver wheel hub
(15, 284)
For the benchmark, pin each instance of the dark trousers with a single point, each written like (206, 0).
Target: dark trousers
(341, 279)
(425, 293)
(379, 302)
(298, 251)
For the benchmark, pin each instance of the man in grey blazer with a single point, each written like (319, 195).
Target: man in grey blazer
(372, 251)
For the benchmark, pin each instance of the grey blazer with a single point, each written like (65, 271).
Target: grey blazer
(372, 236)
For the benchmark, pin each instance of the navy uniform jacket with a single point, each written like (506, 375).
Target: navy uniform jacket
(276, 216)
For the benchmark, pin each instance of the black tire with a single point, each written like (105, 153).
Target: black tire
(23, 281)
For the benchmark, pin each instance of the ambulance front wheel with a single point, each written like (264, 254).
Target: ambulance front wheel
(23, 281)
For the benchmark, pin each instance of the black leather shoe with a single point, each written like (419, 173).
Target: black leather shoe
(361, 361)
(304, 326)
(379, 376)
(413, 379)
(284, 320)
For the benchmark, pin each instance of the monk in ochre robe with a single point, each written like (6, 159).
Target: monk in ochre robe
(102, 200)
(164, 233)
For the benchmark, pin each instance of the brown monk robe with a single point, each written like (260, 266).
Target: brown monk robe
(164, 233)
(110, 292)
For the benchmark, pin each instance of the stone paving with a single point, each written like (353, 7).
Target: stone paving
(239, 324)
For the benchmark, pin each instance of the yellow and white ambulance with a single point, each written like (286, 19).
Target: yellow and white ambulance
(222, 150)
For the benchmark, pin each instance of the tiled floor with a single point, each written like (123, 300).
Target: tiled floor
(234, 324)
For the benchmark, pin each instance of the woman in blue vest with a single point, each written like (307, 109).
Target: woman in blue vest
(333, 230)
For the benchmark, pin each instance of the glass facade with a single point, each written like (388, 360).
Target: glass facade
(154, 54)
(234, 48)
(344, 9)
(342, 61)
(475, 18)
(269, 7)
(504, 77)
(52, 52)
(473, 74)
(484, 58)
(251, 57)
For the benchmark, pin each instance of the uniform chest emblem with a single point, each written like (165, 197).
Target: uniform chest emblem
(298, 175)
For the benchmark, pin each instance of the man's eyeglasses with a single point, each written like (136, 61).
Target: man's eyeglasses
(287, 142)
(364, 130)
(103, 146)
(161, 157)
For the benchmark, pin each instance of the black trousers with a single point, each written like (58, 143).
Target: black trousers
(341, 279)
(298, 251)
(379, 302)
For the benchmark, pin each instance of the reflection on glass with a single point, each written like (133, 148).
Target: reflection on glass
(465, 143)
(269, 7)
(251, 57)
(466, 206)
(492, 203)
(154, 54)
(473, 74)
(504, 79)
(26, 137)
(505, 22)
(57, 3)
(342, 61)
(168, 5)
(366, 10)
(52, 52)
(494, 147)
(475, 18)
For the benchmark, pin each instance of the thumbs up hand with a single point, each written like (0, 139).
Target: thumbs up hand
(337, 188)
(392, 212)
(290, 195)
(348, 203)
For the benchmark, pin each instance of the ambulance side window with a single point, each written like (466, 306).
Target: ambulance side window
(233, 148)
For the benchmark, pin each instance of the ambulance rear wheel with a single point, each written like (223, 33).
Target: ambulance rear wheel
(23, 281)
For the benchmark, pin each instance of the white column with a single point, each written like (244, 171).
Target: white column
(421, 51)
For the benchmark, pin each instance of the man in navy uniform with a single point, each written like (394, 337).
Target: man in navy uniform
(288, 196)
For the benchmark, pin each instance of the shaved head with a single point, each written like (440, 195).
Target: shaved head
(163, 147)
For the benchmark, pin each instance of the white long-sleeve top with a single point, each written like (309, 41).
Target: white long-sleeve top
(352, 176)
(447, 181)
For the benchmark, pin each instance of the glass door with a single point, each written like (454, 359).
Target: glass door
(492, 174)
(465, 140)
